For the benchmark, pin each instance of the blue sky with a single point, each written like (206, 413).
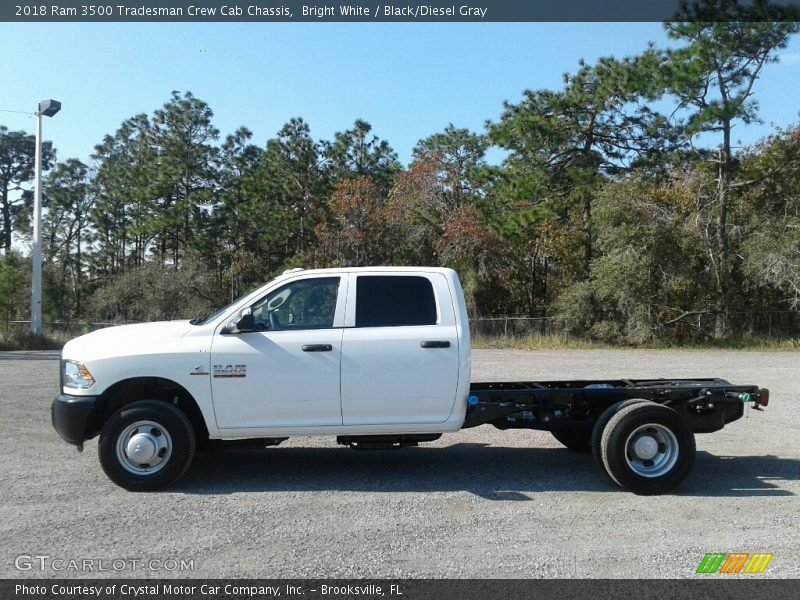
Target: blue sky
(408, 80)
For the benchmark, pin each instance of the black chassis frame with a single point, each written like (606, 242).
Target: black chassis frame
(706, 404)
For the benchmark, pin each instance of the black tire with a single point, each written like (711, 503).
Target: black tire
(575, 438)
(602, 421)
(673, 452)
(153, 420)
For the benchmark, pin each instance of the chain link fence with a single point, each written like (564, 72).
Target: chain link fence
(513, 327)
(774, 325)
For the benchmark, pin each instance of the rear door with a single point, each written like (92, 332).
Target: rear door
(399, 349)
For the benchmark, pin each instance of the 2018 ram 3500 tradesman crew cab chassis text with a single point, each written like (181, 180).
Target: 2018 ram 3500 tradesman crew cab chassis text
(380, 358)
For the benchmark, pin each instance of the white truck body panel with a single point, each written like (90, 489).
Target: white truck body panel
(284, 386)
(373, 380)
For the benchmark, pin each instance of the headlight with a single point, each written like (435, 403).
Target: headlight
(76, 375)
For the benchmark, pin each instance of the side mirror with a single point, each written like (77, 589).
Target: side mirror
(246, 323)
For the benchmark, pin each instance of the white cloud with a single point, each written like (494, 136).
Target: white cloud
(789, 58)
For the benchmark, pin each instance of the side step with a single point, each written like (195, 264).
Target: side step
(385, 442)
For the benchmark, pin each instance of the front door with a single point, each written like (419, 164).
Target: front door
(287, 373)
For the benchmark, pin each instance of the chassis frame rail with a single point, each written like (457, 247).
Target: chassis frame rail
(707, 404)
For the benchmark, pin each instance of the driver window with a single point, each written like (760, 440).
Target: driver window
(303, 304)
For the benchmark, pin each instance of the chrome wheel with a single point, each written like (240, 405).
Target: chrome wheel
(651, 450)
(144, 447)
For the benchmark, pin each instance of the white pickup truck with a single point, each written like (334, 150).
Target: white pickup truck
(380, 358)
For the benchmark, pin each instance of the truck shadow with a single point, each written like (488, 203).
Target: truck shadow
(740, 476)
(491, 472)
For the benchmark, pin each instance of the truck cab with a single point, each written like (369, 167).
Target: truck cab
(343, 351)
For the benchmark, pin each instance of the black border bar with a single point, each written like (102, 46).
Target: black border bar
(702, 586)
(396, 10)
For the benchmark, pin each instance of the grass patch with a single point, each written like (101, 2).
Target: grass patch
(534, 342)
(563, 342)
(25, 340)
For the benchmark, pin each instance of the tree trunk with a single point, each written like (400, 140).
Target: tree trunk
(723, 200)
(587, 234)
(6, 222)
(544, 286)
(587, 202)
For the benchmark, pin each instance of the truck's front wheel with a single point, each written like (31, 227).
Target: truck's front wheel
(648, 448)
(146, 445)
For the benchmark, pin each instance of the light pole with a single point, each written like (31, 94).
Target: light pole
(47, 108)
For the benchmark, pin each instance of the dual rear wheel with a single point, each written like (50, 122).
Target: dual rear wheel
(642, 446)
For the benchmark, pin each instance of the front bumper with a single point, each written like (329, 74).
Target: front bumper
(74, 417)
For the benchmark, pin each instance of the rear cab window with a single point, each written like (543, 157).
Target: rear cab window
(394, 301)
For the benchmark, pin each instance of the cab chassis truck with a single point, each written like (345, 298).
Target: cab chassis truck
(378, 357)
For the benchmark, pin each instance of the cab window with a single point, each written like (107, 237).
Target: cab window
(394, 301)
(302, 304)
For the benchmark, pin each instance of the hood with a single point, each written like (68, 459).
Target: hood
(125, 339)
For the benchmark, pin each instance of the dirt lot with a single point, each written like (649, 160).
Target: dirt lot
(481, 503)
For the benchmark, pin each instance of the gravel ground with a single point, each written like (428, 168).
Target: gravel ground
(479, 503)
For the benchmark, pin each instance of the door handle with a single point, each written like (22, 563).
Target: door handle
(435, 344)
(317, 348)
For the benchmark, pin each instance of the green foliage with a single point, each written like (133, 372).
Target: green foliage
(156, 292)
(604, 214)
(17, 159)
(9, 286)
(25, 340)
(351, 236)
(356, 153)
(294, 175)
(461, 157)
(15, 288)
(715, 69)
(770, 210)
(565, 145)
(713, 74)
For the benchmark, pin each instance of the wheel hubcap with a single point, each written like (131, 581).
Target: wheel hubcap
(651, 450)
(144, 447)
(646, 447)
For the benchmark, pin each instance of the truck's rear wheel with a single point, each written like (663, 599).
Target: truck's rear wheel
(648, 448)
(146, 445)
(576, 439)
(602, 421)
